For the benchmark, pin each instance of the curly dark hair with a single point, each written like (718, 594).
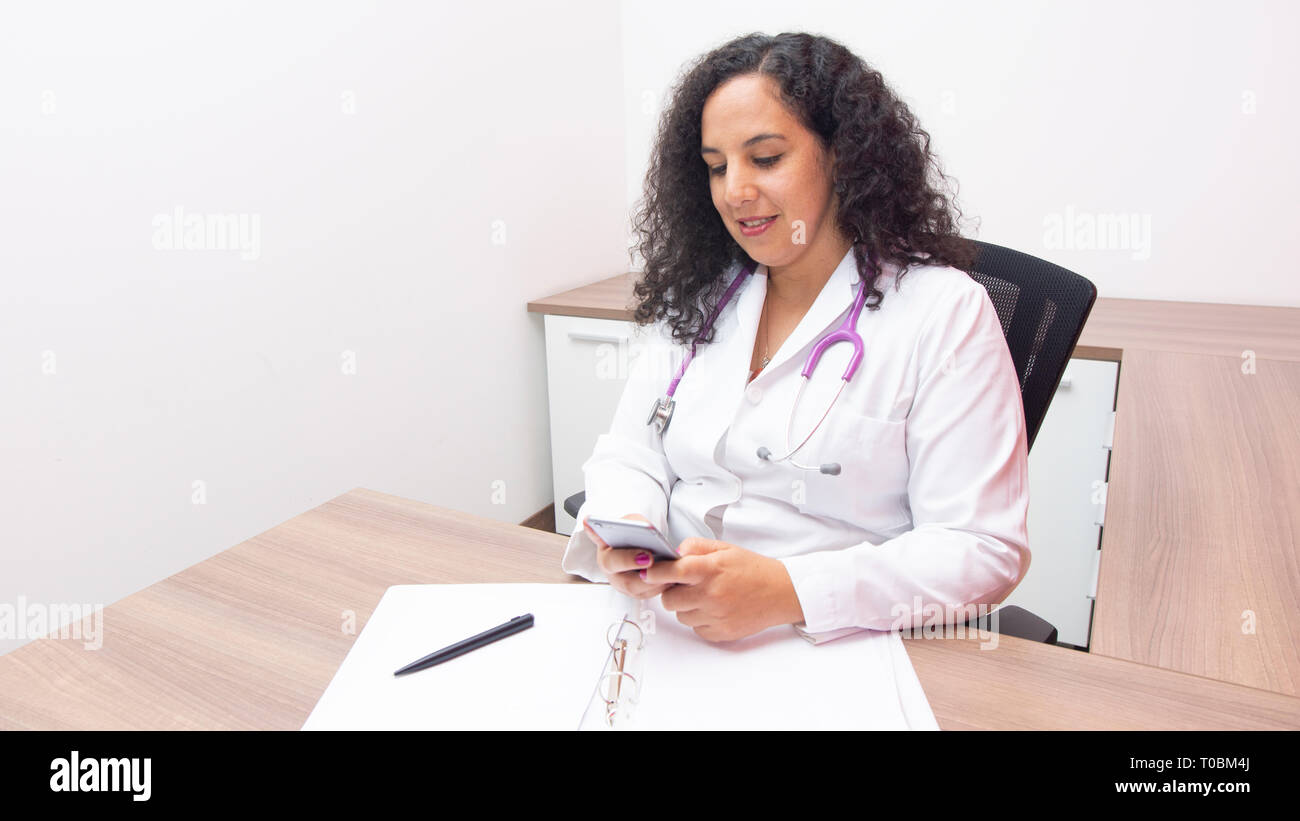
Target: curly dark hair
(887, 202)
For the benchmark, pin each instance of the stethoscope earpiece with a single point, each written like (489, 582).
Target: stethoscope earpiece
(830, 468)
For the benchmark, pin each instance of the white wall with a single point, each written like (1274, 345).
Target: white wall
(1181, 116)
(377, 145)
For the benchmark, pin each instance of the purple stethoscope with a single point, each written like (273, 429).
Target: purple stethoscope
(661, 414)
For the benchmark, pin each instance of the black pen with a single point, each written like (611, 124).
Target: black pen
(460, 648)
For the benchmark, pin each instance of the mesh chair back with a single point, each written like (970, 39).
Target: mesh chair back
(1043, 308)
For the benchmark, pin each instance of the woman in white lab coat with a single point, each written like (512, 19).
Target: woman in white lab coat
(927, 512)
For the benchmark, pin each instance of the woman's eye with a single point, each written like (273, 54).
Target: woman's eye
(762, 162)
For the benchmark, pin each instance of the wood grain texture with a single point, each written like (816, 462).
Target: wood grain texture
(1194, 327)
(608, 299)
(250, 638)
(1203, 520)
(1024, 685)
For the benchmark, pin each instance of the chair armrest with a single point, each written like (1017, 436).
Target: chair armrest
(1019, 622)
(574, 503)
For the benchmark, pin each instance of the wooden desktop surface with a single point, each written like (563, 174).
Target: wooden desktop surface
(1200, 571)
(250, 638)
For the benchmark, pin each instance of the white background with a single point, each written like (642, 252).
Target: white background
(384, 147)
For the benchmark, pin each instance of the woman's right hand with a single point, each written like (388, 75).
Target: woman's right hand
(623, 565)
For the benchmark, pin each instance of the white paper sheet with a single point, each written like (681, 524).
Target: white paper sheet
(545, 677)
(539, 679)
(776, 680)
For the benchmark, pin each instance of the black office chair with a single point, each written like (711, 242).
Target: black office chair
(1043, 308)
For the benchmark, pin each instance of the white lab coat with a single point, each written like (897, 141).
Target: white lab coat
(929, 509)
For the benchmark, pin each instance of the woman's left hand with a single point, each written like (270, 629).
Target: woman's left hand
(725, 592)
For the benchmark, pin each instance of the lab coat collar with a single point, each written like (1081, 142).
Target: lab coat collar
(832, 303)
(718, 375)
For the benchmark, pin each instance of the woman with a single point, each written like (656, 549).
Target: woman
(789, 156)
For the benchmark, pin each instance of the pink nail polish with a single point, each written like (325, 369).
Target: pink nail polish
(641, 573)
(643, 558)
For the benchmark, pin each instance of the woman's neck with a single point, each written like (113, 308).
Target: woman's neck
(797, 285)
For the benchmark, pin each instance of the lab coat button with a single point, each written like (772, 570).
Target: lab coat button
(754, 393)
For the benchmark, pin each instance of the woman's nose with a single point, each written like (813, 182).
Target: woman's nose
(739, 189)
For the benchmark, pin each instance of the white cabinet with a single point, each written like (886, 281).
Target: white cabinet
(586, 369)
(1067, 492)
(587, 363)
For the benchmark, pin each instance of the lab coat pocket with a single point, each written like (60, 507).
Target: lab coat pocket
(870, 490)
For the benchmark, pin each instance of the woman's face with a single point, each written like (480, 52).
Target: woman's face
(763, 163)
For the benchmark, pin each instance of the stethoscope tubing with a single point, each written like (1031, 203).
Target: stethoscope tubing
(708, 323)
(662, 412)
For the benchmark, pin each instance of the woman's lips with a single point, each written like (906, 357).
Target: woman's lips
(756, 230)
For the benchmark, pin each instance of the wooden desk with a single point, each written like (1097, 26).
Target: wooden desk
(1203, 519)
(1203, 505)
(250, 638)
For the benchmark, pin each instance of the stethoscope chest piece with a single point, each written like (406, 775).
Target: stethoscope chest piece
(661, 414)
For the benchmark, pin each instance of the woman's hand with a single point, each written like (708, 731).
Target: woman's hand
(623, 565)
(723, 591)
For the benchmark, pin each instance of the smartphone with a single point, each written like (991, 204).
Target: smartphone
(623, 533)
